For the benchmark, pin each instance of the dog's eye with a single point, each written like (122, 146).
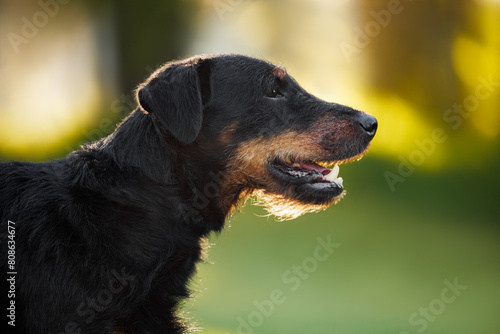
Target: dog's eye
(274, 93)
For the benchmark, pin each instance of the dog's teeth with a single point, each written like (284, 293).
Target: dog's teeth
(339, 181)
(335, 170)
(287, 160)
(329, 177)
(332, 176)
(296, 164)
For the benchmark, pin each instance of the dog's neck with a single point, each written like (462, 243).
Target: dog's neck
(202, 184)
(140, 144)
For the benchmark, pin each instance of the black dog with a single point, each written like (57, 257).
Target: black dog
(106, 240)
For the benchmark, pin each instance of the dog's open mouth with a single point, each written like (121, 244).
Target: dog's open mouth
(312, 177)
(309, 172)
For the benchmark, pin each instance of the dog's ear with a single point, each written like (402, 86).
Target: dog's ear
(174, 96)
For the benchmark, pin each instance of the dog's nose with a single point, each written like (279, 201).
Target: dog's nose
(369, 124)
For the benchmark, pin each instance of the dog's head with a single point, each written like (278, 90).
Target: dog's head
(252, 121)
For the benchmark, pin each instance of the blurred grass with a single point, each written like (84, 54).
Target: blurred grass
(396, 251)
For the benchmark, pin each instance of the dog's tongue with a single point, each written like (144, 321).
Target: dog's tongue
(328, 174)
(316, 167)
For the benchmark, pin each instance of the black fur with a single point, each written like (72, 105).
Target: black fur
(106, 240)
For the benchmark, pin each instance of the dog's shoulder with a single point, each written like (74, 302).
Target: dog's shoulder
(21, 179)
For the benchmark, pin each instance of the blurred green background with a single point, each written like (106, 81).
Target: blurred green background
(422, 209)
